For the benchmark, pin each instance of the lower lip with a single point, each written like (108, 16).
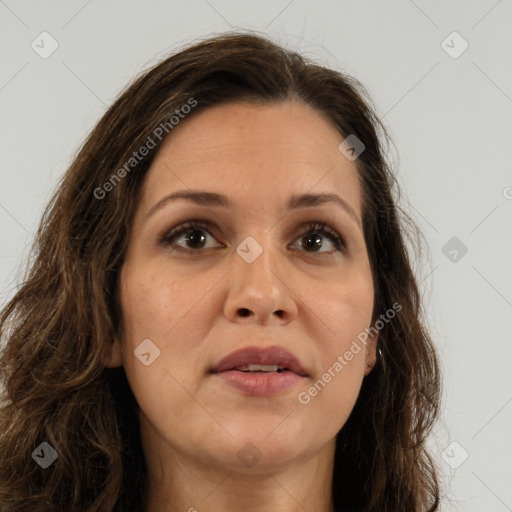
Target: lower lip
(260, 384)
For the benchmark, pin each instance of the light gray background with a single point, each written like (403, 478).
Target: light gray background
(450, 119)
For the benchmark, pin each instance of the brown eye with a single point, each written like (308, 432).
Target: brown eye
(314, 235)
(194, 236)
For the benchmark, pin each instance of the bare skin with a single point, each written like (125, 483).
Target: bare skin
(200, 305)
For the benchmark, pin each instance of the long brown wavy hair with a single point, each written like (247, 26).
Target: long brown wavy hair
(65, 314)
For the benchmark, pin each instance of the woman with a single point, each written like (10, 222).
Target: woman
(220, 312)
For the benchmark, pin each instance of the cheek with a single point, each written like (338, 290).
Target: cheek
(154, 300)
(149, 308)
(161, 307)
(332, 393)
(343, 309)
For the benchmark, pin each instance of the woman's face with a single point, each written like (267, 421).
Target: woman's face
(253, 274)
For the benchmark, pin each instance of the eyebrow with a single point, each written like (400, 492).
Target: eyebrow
(213, 199)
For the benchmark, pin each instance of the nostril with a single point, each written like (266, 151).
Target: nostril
(245, 312)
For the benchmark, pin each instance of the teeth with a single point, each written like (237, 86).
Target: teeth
(259, 368)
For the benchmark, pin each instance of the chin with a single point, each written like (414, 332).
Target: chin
(256, 453)
(259, 458)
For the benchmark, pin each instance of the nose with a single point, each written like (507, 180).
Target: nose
(260, 289)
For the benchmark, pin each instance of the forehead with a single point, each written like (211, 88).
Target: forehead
(245, 149)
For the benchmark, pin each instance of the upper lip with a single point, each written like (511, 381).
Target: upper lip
(259, 355)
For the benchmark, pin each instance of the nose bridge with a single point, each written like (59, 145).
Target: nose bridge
(256, 261)
(257, 285)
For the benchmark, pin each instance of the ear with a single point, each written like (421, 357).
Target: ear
(113, 356)
(371, 354)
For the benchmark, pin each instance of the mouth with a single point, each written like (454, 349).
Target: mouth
(261, 368)
(260, 371)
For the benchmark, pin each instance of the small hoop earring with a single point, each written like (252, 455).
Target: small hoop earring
(382, 360)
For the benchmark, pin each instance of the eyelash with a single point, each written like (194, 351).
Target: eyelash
(314, 227)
